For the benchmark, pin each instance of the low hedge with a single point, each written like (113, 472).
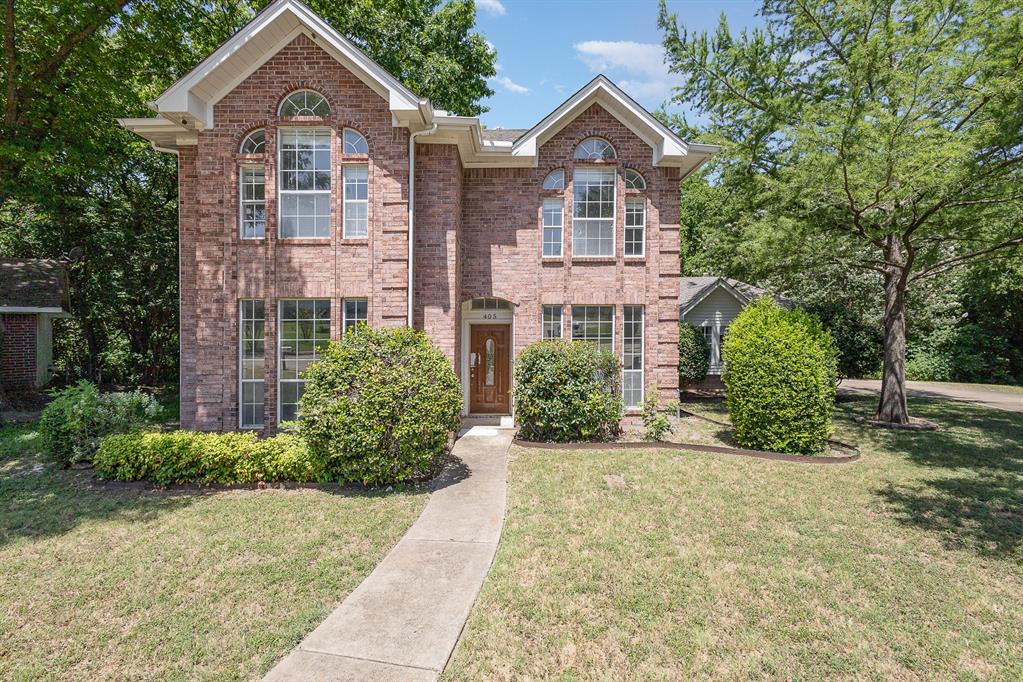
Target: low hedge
(205, 458)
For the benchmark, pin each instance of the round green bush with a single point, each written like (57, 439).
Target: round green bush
(780, 372)
(379, 406)
(693, 355)
(567, 391)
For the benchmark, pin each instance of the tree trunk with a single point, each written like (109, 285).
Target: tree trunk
(892, 407)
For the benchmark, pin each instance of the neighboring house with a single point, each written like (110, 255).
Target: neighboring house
(32, 293)
(317, 192)
(711, 303)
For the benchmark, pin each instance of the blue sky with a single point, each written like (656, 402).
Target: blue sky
(548, 49)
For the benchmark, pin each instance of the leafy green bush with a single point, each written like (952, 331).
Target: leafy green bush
(79, 416)
(567, 391)
(780, 371)
(860, 344)
(379, 406)
(964, 352)
(693, 355)
(656, 423)
(195, 457)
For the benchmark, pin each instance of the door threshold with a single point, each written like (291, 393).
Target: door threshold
(503, 421)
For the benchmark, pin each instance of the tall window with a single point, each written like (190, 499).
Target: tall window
(593, 212)
(708, 335)
(632, 356)
(553, 226)
(252, 337)
(635, 227)
(594, 323)
(253, 183)
(356, 201)
(355, 311)
(303, 330)
(551, 322)
(305, 183)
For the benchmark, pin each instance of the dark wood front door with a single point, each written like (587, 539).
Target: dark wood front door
(490, 369)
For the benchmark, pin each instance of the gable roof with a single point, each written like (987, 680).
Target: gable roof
(695, 289)
(32, 285)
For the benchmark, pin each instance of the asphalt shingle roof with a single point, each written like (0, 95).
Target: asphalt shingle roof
(503, 134)
(695, 288)
(32, 283)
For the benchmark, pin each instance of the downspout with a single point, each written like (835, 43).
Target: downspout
(412, 210)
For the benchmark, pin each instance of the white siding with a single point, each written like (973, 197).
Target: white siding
(716, 311)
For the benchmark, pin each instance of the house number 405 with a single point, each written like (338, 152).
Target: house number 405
(489, 316)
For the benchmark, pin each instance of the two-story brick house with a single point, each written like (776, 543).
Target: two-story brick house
(316, 191)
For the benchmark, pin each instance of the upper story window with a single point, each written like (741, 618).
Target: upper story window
(555, 179)
(253, 202)
(593, 211)
(254, 143)
(304, 103)
(356, 201)
(633, 180)
(304, 181)
(594, 149)
(354, 142)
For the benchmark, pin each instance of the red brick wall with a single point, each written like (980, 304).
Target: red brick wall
(18, 352)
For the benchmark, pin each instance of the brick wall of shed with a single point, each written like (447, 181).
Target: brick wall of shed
(18, 352)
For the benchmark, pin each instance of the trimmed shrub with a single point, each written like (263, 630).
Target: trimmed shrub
(780, 371)
(194, 457)
(79, 416)
(567, 391)
(693, 355)
(379, 406)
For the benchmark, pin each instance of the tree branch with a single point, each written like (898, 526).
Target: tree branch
(949, 263)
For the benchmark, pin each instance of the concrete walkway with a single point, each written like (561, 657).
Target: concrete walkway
(1011, 402)
(403, 621)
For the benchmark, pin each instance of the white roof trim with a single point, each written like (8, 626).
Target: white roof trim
(721, 283)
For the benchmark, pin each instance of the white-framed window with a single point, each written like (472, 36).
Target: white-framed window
(354, 142)
(708, 335)
(551, 322)
(593, 212)
(253, 202)
(594, 323)
(254, 142)
(251, 354)
(553, 227)
(633, 179)
(304, 103)
(303, 330)
(355, 310)
(593, 149)
(635, 227)
(555, 180)
(304, 182)
(722, 334)
(356, 201)
(632, 355)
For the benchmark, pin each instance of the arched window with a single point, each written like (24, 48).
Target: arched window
(594, 149)
(355, 143)
(304, 103)
(254, 143)
(555, 179)
(633, 180)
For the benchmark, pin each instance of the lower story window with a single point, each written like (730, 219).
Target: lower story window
(355, 311)
(252, 338)
(594, 323)
(632, 356)
(303, 330)
(708, 336)
(551, 322)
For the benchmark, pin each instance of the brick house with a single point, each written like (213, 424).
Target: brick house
(316, 192)
(33, 292)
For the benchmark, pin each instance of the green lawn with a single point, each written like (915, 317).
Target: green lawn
(905, 565)
(121, 582)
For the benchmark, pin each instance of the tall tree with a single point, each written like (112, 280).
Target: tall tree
(876, 135)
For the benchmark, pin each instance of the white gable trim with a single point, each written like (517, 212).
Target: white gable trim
(721, 283)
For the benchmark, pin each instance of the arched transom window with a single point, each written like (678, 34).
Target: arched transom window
(304, 103)
(355, 143)
(594, 149)
(633, 180)
(555, 179)
(254, 143)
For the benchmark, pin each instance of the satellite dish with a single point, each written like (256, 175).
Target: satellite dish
(75, 254)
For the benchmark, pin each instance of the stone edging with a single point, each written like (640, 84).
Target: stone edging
(717, 449)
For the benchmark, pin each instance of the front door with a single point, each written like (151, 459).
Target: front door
(490, 369)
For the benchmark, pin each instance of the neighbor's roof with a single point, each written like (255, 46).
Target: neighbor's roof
(503, 134)
(32, 286)
(695, 289)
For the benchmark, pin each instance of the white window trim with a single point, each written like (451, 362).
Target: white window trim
(642, 356)
(625, 226)
(543, 229)
(345, 200)
(242, 202)
(277, 360)
(614, 217)
(561, 321)
(279, 184)
(241, 366)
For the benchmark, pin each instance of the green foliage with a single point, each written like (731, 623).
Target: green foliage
(964, 352)
(380, 405)
(206, 458)
(656, 423)
(567, 391)
(693, 355)
(79, 416)
(860, 344)
(780, 371)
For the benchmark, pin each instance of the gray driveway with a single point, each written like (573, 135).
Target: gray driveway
(1011, 402)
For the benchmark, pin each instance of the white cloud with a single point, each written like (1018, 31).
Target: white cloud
(642, 64)
(511, 86)
(493, 7)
